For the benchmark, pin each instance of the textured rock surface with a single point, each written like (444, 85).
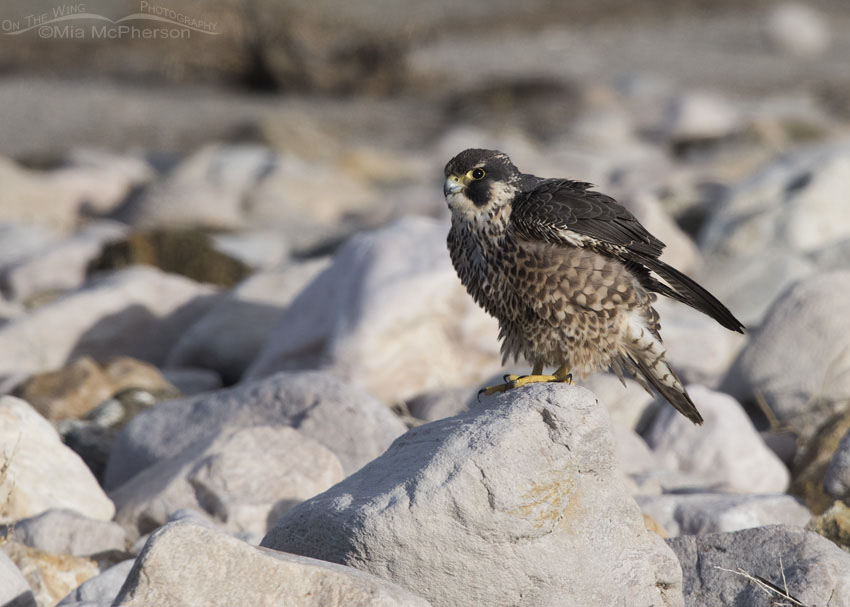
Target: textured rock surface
(813, 317)
(516, 503)
(815, 570)
(389, 316)
(701, 513)
(245, 479)
(137, 312)
(726, 452)
(50, 576)
(42, 472)
(14, 590)
(837, 479)
(349, 422)
(182, 564)
(68, 532)
(229, 337)
(102, 588)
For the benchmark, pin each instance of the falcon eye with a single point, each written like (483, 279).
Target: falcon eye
(476, 174)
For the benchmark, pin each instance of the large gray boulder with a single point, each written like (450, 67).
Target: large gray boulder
(244, 478)
(187, 564)
(349, 422)
(814, 570)
(516, 503)
(389, 316)
(798, 360)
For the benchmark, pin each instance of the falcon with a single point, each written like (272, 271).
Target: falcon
(569, 273)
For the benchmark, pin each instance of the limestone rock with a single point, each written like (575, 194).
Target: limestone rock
(390, 316)
(726, 452)
(812, 317)
(181, 565)
(50, 576)
(816, 571)
(64, 531)
(516, 503)
(14, 590)
(101, 589)
(701, 513)
(229, 337)
(349, 422)
(798, 29)
(136, 312)
(245, 479)
(40, 472)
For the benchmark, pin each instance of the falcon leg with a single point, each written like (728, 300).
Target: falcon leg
(536, 377)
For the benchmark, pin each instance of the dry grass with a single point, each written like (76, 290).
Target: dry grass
(779, 597)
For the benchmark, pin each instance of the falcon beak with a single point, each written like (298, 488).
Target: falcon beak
(453, 185)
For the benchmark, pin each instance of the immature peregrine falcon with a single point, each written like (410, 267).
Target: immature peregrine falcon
(568, 273)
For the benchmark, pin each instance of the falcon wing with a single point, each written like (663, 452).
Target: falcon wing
(568, 213)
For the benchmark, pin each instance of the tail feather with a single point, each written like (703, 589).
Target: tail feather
(686, 290)
(644, 357)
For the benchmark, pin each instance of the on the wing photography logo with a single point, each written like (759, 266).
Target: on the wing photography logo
(75, 21)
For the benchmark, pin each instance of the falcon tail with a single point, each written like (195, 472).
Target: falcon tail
(644, 356)
(686, 290)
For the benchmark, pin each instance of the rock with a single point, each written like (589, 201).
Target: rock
(20, 240)
(750, 283)
(102, 588)
(349, 422)
(835, 256)
(99, 179)
(628, 405)
(700, 349)
(259, 248)
(834, 524)
(50, 576)
(14, 589)
(230, 336)
(28, 198)
(726, 452)
(92, 436)
(798, 29)
(206, 190)
(516, 503)
(701, 513)
(813, 459)
(59, 266)
(793, 200)
(69, 392)
(633, 454)
(39, 472)
(189, 253)
(244, 479)
(64, 531)
(366, 319)
(812, 317)
(139, 312)
(440, 404)
(837, 479)
(191, 381)
(812, 569)
(179, 563)
(696, 116)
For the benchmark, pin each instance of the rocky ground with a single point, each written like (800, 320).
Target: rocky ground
(237, 366)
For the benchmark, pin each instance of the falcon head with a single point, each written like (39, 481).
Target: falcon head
(480, 180)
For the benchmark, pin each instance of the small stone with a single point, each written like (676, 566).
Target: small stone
(179, 563)
(67, 393)
(100, 589)
(726, 452)
(798, 29)
(39, 472)
(701, 513)
(349, 422)
(50, 576)
(245, 479)
(812, 569)
(14, 589)
(67, 532)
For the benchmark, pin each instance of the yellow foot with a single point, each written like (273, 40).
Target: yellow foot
(516, 381)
